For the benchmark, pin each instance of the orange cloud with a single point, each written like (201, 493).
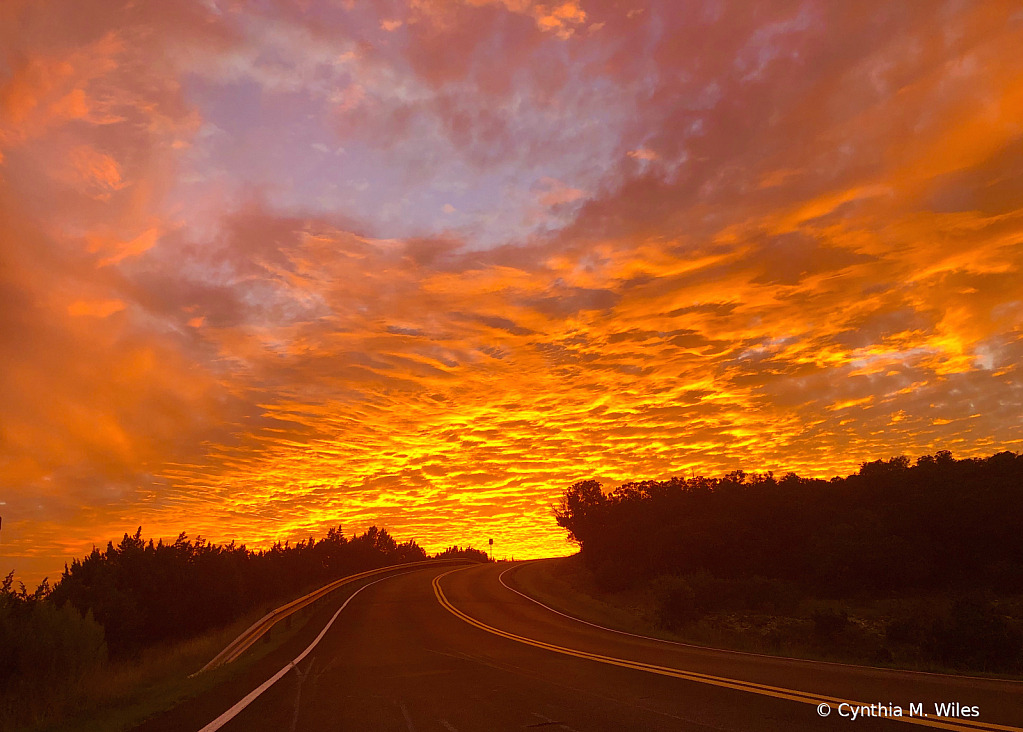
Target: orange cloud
(813, 260)
(562, 19)
(44, 91)
(643, 154)
(96, 308)
(118, 249)
(93, 170)
(557, 193)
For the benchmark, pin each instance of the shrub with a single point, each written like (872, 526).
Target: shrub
(976, 636)
(455, 552)
(42, 648)
(911, 631)
(828, 624)
(614, 576)
(676, 602)
(763, 594)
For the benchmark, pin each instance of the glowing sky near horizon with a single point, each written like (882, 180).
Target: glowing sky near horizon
(271, 266)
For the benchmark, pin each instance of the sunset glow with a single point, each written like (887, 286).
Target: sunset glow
(267, 267)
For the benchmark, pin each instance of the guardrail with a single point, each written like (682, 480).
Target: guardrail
(258, 629)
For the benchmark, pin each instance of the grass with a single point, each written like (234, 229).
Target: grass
(121, 694)
(565, 584)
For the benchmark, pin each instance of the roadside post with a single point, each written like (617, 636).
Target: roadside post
(491, 550)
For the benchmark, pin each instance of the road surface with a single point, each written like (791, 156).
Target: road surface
(454, 650)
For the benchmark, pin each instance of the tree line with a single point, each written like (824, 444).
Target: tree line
(138, 593)
(941, 523)
(951, 528)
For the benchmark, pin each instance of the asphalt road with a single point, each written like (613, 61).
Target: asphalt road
(443, 650)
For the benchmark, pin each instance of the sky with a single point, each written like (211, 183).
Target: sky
(272, 266)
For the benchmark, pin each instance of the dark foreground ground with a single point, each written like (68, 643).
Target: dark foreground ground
(397, 659)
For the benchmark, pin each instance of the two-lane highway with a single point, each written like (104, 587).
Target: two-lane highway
(437, 650)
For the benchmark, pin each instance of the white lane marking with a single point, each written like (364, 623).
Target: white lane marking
(500, 579)
(447, 725)
(255, 693)
(408, 717)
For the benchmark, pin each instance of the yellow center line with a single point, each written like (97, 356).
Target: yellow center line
(739, 685)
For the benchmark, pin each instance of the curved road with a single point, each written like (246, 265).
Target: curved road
(443, 650)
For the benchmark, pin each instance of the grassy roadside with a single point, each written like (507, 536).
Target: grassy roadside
(120, 694)
(568, 586)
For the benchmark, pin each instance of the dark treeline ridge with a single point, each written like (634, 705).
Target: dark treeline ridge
(951, 528)
(140, 593)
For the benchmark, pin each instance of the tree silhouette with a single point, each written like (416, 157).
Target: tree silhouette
(940, 524)
(144, 592)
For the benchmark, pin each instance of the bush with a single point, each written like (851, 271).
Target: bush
(976, 636)
(676, 602)
(828, 624)
(762, 594)
(713, 595)
(42, 648)
(455, 552)
(685, 599)
(614, 576)
(912, 631)
(971, 634)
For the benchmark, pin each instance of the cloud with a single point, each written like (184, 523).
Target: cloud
(560, 18)
(97, 308)
(118, 250)
(643, 154)
(813, 259)
(94, 173)
(556, 193)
